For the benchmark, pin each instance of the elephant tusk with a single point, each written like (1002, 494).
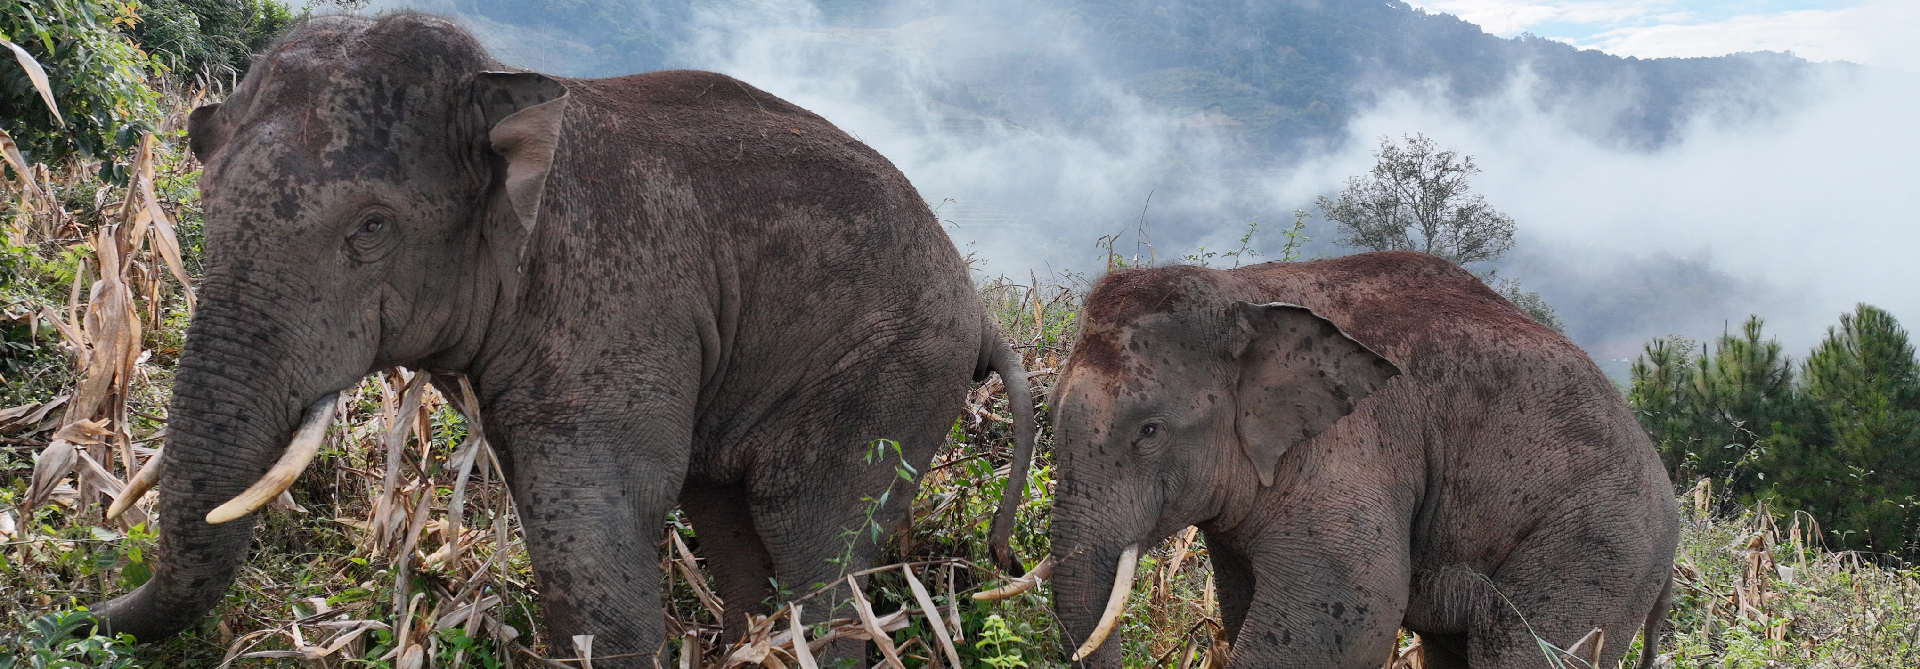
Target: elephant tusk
(1019, 585)
(1116, 603)
(306, 443)
(142, 481)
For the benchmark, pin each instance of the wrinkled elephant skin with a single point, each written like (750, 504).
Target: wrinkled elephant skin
(666, 288)
(1367, 443)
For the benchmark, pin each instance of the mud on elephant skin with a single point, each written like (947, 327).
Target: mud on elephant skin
(1367, 442)
(666, 288)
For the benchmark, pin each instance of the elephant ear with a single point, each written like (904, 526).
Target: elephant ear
(1298, 374)
(207, 131)
(523, 112)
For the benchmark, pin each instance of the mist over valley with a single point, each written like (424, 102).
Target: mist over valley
(1652, 196)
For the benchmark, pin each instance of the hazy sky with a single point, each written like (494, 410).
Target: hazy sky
(1873, 32)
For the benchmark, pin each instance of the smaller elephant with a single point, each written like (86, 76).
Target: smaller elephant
(1368, 443)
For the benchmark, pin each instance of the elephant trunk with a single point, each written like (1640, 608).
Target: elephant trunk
(232, 415)
(1090, 590)
(1089, 593)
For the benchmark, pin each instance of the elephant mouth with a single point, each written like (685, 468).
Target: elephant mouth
(300, 451)
(1116, 603)
(306, 443)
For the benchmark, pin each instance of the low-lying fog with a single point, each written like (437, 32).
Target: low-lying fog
(1794, 212)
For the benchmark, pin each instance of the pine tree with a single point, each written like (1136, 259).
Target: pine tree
(1716, 413)
(1863, 478)
(1660, 392)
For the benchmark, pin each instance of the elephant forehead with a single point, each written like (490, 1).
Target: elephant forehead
(355, 130)
(1131, 369)
(1126, 296)
(343, 99)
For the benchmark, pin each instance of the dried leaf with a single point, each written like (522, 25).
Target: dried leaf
(690, 650)
(33, 420)
(583, 649)
(75, 338)
(752, 653)
(953, 609)
(462, 613)
(386, 512)
(10, 414)
(162, 238)
(52, 466)
(86, 432)
(240, 644)
(98, 477)
(414, 658)
(801, 652)
(456, 504)
(38, 76)
(933, 616)
(691, 571)
(284, 502)
(874, 630)
(1032, 579)
(11, 152)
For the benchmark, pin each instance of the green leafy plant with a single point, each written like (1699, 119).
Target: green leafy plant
(1296, 237)
(1001, 645)
(52, 641)
(902, 472)
(98, 79)
(211, 40)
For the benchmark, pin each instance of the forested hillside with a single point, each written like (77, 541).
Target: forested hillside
(1276, 74)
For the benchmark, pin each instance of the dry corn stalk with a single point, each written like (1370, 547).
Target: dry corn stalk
(104, 338)
(105, 344)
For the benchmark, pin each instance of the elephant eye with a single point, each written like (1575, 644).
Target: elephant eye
(1149, 430)
(372, 238)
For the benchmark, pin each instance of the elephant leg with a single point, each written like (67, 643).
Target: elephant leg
(1321, 598)
(817, 529)
(736, 558)
(1565, 584)
(591, 498)
(1317, 625)
(1233, 580)
(819, 522)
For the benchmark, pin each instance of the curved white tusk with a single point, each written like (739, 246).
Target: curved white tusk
(306, 443)
(142, 481)
(1019, 585)
(1116, 603)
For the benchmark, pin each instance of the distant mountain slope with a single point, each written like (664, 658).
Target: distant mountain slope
(1299, 69)
(1266, 75)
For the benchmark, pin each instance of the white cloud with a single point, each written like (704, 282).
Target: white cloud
(1884, 33)
(1819, 202)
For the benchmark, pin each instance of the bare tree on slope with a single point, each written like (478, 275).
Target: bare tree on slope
(1416, 198)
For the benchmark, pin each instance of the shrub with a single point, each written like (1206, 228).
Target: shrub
(212, 40)
(97, 76)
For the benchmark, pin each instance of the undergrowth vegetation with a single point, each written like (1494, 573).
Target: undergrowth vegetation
(399, 546)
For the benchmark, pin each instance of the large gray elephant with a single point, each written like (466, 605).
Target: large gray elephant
(1368, 442)
(667, 287)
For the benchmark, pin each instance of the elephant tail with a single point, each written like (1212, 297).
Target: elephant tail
(999, 357)
(1650, 644)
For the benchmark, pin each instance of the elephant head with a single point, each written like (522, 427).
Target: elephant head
(1176, 394)
(368, 189)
